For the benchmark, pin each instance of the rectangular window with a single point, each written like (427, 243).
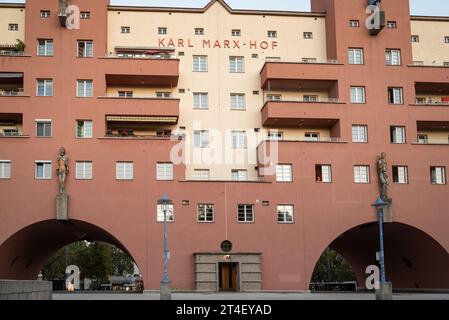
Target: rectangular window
(201, 139)
(125, 94)
(199, 31)
(205, 213)
(199, 63)
(84, 88)
(163, 95)
(309, 60)
(415, 38)
(5, 169)
(200, 100)
(438, 175)
(124, 170)
(284, 173)
(168, 210)
(236, 33)
(323, 173)
(400, 174)
(310, 98)
(423, 138)
(162, 30)
(393, 57)
(164, 171)
(275, 135)
(359, 133)
(44, 88)
(45, 13)
(84, 129)
(356, 56)
(354, 23)
(392, 25)
(274, 97)
(236, 64)
(45, 47)
(446, 39)
(285, 214)
(85, 48)
(446, 63)
(13, 27)
(201, 174)
(308, 35)
(84, 170)
(238, 101)
(395, 96)
(43, 128)
(361, 174)
(126, 29)
(42, 170)
(272, 34)
(85, 15)
(245, 213)
(358, 95)
(238, 139)
(397, 135)
(239, 175)
(312, 136)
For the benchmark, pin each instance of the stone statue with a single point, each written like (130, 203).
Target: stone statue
(62, 169)
(382, 169)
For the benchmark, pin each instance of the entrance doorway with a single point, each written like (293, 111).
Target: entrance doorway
(227, 276)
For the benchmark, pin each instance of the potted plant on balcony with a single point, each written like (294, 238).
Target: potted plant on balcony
(19, 46)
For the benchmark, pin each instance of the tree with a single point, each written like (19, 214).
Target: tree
(332, 267)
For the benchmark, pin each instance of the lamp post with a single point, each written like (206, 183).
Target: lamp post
(165, 289)
(385, 290)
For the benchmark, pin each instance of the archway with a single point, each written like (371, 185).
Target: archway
(23, 255)
(413, 259)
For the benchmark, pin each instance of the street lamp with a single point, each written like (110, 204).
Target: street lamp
(165, 289)
(385, 290)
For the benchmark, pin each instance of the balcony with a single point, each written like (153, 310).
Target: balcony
(11, 125)
(432, 94)
(139, 127)
(433, 132)
(11, 84)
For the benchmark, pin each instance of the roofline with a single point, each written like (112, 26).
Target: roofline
(12, 5)
(430, 18)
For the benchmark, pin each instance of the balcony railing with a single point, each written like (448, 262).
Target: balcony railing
(145, 137)
(432, 103)
(141, 56)
(11, 92)
(304, 60)
(302, 100)
(227, 179)
(11, 53)
(430, 142)
(136, 96)
(427, 64)
(304, 139)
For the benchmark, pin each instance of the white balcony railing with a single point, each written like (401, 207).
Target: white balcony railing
(304, 60)
(11, 92)
(304, 139)
(11, 53)
(433, 141)
(430, 64)
(307, 100)
(137, 96)
(432, 103)
(141, 56)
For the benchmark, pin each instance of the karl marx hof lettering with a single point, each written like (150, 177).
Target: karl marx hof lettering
(218, 44)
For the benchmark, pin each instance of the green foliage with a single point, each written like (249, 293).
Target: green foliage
(332, 267)
(20, 45)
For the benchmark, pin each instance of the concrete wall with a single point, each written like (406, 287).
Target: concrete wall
(25, 290)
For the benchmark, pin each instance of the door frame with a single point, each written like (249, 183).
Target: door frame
(237, 275)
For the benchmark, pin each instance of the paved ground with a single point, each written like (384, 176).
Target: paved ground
(248, 296)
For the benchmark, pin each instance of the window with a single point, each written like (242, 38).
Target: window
(199, 31)
(323, 173)
(400, 174)
(200, 100)
(397, 135)
(395, 96)
(361, 174)
(5, 169)
(438, 175)
(415, 38)
(358, 95)
(272, 34)
(169, 213)
(44, 47)
(162, 30)
(125, 94)
(85, 15)
(446, 39)
(312, 136)
(84, 129)
(199, 63)
(285, 213)
(42, 170)
(356, 56)
(284, 173)
(10, 132)
(392, 25)
(205, 213)
(274, 135)
(84, 170)
(254, 55)
(201, 174)
(236, 33)
(163, 95)
(13, 27)
(201, 138)
(393, 57)
(308, 35)
(126, 29)
(423, 138)
(238, 139)
(164, 171)
(310, 98)
(239, 175)
(245, 213)
(359, 133)
(309, 60)
(44, 88)
(124, 170)
(85, 48)
(84, 88)
(274, 97)
(238, 101)
(45, 13)
(354, 23)
(43, 128)
(236, 64)
(446, 63)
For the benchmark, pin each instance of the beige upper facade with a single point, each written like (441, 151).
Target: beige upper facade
(431, 48)
(11, 16)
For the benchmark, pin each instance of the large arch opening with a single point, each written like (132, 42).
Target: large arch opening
(24, 254)
(413, 259)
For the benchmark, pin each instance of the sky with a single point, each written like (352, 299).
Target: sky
(417, 7)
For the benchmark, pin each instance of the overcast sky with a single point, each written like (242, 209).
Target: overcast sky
(418, 7)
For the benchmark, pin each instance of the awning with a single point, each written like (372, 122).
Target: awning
(10, 75)
(146, 119)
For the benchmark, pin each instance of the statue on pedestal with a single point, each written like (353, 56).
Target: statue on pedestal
(382, 169)
(62, 169)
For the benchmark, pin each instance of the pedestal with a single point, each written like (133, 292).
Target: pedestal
(62, 207)
(388, 211)
(165, 290)
(385, 292)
